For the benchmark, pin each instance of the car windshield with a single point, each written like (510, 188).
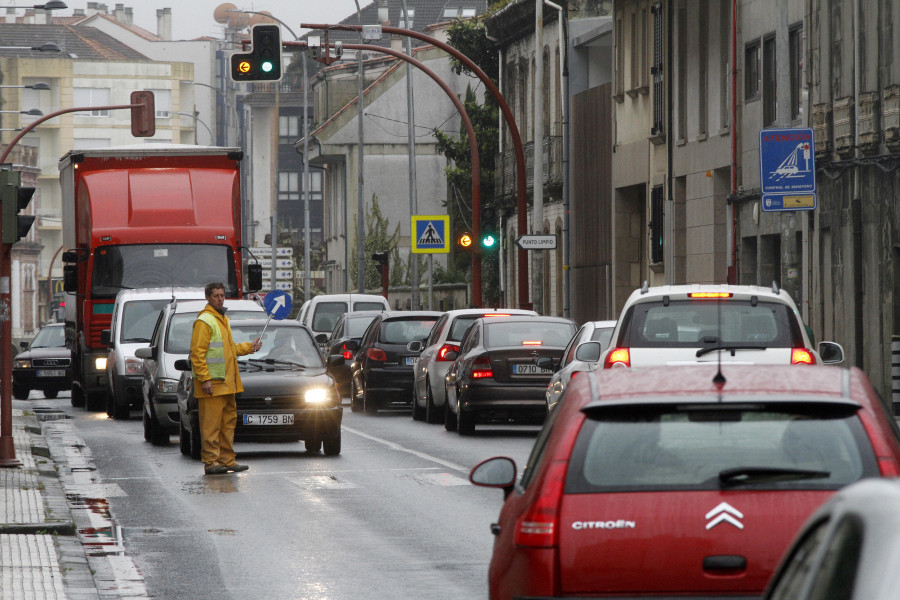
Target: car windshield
(139, 318)
(709, 448)
(403, 331)
(327, 314)
(118, 268)
(286, 344)
(692, 323)
(181, 327)
(50, 337)
(356, 326)
(501, 334)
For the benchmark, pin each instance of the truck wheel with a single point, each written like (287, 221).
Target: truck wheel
(95, 401)
(20, 392)
(77, 396)
(333, 444)
(121, 412)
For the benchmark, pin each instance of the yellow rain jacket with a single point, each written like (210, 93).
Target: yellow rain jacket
(200, 340)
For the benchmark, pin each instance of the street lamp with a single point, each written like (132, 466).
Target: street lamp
(52, 5)
(37, 86)
(34, 112)
(197, 120)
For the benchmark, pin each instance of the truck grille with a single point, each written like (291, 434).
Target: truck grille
(99, 322)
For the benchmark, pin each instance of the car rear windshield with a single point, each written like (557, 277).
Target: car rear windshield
(692, 323)
(403, 331)
(502, 334)
(764, 446)
(361, 306)
(356, 326)
(327, 314)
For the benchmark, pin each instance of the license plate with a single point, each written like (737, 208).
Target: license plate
(285, 419)
(526, 369)
(51, 373)
(411, 360)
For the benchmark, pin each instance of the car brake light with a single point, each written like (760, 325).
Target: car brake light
(376, 354)
(442, 353)
(802, 356)
(618, 356)
(497, 315)
(708, 295)
(531, 343)
(347, 353)
(481, 368)
(538, 527)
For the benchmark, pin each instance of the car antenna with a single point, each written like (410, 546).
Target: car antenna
(719, 379)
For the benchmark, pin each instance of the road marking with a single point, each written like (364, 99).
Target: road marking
(399, 448)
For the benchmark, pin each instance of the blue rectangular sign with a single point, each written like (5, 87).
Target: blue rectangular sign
(787, 161)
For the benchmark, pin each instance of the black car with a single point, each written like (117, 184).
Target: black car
(382, 370)
(45, 365)
(350, 326)
(287, 394)
(495, 376)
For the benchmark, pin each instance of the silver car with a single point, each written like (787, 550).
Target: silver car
(170, 341)
(573, 361)
(429, 389)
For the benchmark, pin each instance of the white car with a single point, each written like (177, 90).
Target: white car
(321, 313)
(429, 390)
(578, 358)
(709, 323)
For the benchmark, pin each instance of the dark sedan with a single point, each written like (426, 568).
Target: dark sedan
(287, 394)
(350, 326)
(45, 365)
(382, 371)
(495, 377)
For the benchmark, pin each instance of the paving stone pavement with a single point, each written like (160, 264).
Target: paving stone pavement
(41, 557)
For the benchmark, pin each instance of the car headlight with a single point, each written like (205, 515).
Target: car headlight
(316, 396)
(100, 363)
(167, 386)
(22, 364)
(133, 366)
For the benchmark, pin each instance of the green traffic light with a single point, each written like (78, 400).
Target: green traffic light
(267, 66)
(488, 241)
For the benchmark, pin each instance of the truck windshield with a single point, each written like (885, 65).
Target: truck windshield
(165, 265)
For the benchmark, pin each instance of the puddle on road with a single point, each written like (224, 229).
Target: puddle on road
(210, 485)
(105, 538)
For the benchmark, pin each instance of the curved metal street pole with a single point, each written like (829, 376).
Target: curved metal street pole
(521, 190)
(473, 149)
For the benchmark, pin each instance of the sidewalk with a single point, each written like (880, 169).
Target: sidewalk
(41, 556)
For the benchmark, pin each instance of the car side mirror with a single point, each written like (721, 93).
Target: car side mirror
(335, 360)
(351, 345)
(832, 353)
(321, 338)
(104, 337)
(70, 279)
(183, 364)
(145, 352)
(588, 351)
(415, 346)
(254, 277)
(451, 355)
(498, 472)
(544, 362)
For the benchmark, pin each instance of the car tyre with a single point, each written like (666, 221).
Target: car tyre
(184, 439)
(370, 405)
(431, 411)
(146, 422)
(158, 435)
(356, 402)
(449, 418)
(313, 445)
(77, 398)
(121, 412)
(418, 413)
(465, 423)
(332, 445)
(20, 392)
(196, 441)
(51, 394)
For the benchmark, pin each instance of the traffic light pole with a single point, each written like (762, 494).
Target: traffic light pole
(7, 449)
(521, 187)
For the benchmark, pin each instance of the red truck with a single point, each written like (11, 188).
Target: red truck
(156, 215)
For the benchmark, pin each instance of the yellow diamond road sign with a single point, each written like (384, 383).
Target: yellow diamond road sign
(430, 234)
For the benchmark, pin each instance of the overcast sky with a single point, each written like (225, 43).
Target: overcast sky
(194, 18)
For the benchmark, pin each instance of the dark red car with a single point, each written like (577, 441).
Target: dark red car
(673, 482)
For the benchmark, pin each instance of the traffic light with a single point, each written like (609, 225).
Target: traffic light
(489, 237)
(14, 198)
(143, 116)
(263, 62)
(464, 241)
(381, 259)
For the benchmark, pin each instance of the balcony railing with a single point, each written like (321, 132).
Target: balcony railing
(505, 167)
(290, 82)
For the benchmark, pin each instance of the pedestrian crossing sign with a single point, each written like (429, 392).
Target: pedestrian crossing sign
(430, 234)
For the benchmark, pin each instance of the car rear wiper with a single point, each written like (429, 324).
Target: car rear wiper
(742, 475)
(731, 348)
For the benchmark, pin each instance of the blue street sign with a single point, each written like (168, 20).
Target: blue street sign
(278, 304)
(787, 161)
(430, 234)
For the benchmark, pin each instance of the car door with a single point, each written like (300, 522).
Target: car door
(432, 343)
(150, 370)
(359, 363)
(559, 379)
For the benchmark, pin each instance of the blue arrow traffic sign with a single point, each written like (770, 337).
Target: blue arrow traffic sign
(278, 304)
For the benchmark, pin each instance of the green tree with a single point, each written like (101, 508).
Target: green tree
(377, 240)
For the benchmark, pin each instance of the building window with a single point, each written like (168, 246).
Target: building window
(91, 97)
(635, 53)
(703, 72)
(770, 85)
(659, 92)
(795, 44)
(657, 219)
(288, 185)
(682, 70)
(620, 59)
(289, 126)
(162, 101)
(751, 71)
(726, 74)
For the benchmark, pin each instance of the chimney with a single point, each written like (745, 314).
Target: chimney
(164, 23)
(78, 12)
(10, 16)
(91, 8)
(383, 15)
(102, 8)
(120, 14)
(29, 16)
(129, 16)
